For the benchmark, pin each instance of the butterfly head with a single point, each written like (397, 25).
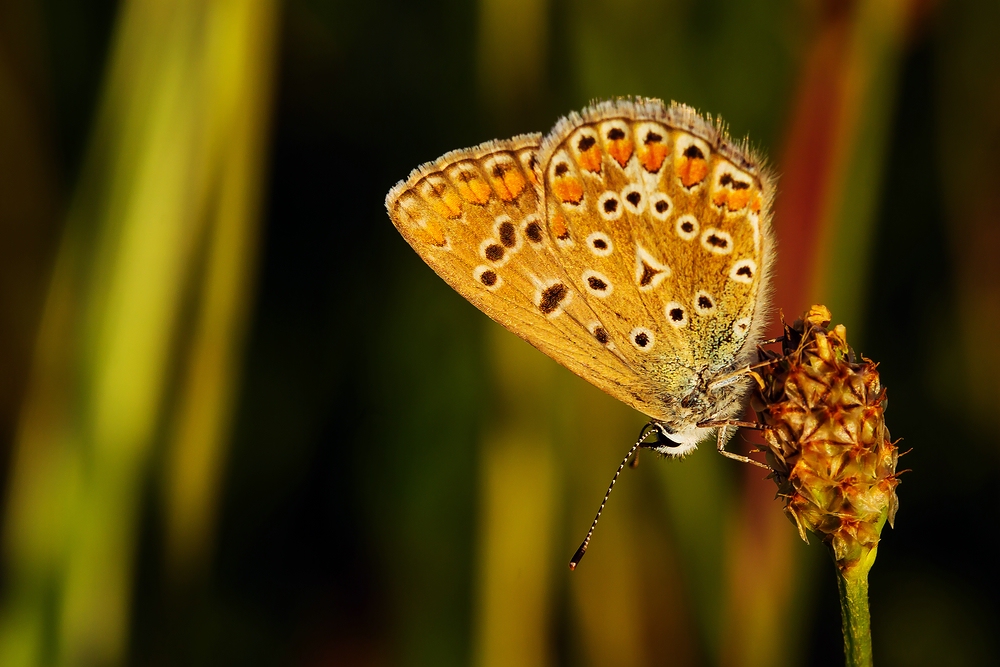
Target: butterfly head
(679, 433)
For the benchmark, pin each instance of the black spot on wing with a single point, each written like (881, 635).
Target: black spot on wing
(552, 296)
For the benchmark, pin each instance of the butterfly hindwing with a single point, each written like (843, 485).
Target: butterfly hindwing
(663, 224)
(473, 216)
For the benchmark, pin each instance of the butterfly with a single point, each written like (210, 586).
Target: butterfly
(632, 244)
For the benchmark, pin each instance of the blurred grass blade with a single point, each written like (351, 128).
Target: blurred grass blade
(517, 483)
(154, 187)
(237, 75)
(611, 590)
(518, 492)
(866, 99)
(513, 48)
(968, 112)
(30, 201)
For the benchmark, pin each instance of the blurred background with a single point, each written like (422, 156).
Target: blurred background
(242, 423)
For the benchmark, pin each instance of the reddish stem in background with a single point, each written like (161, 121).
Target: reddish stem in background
(762, 535)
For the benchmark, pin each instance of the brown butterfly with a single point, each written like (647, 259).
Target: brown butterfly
(632, 244)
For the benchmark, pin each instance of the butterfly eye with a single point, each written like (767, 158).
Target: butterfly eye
(494, 253)
(660, 205)
(551, 299)
(532, 230)
(487, 277)
(506, 234)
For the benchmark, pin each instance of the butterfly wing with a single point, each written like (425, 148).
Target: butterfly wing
(579, 244)
(473, 215)
(663, 224)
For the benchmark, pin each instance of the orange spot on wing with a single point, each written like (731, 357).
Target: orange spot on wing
(755, 204)
(734, 200)
(501, 189)
(513, 182)
(447, 204)
(691, 170)
(738, 199)
(620, 150)
(433, 229)
(568, 189)
(590, 159)
(474, 190)
(559, 229)
(651, 156)
(441, 197)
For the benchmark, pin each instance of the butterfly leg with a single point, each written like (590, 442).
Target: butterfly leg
(750, 370)
(768, 356)
(720, 443)
(634, 463)
(771, 341)
(732, 422)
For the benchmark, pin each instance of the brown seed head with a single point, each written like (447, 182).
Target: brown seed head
(833, 460)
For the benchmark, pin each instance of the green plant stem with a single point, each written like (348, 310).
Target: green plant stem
(852, 583)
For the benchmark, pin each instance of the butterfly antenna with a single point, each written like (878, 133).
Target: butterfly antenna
(578, 556)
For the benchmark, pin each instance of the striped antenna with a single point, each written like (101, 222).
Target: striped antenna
(646, 431)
